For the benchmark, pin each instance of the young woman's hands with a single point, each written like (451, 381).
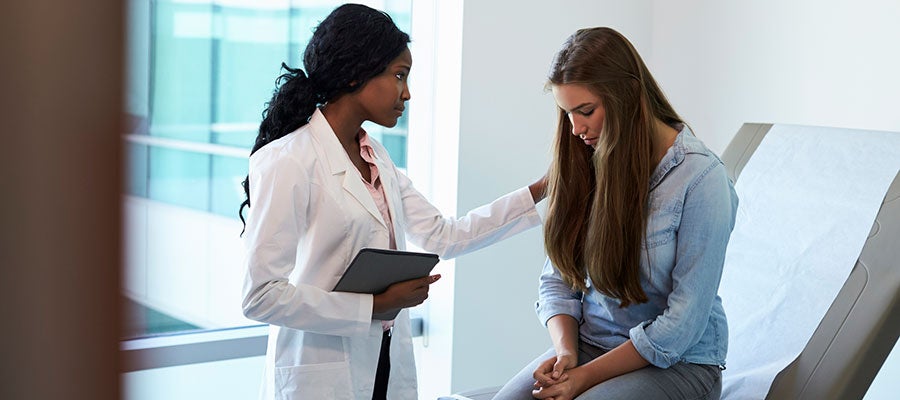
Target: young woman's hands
(554, 379)
(620, 360)
(553, 370)
(567, 389)
(403, 294)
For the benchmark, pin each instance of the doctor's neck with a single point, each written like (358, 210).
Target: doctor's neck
(345, 120)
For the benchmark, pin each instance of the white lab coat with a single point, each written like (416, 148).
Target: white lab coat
(310, 213)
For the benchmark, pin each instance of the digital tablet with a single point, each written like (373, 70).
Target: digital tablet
(373, 270)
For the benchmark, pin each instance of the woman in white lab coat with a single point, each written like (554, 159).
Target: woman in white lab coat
(318, 190)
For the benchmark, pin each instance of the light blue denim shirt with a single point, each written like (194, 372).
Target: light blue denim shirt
(692, 211)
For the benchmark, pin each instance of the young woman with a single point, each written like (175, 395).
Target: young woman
(319, 190)
(639, 215)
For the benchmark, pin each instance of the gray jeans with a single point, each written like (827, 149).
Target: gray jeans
(683, 381)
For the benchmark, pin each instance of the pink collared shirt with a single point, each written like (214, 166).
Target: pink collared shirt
(376, 189)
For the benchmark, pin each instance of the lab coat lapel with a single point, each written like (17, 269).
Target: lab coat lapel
(340, 164)
(353, 184)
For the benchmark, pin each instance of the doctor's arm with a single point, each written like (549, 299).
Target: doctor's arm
(451, 237)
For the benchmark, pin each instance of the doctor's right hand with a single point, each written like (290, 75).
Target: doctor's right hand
(403, 294)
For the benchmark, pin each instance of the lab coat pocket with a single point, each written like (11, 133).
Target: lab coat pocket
(314, 381)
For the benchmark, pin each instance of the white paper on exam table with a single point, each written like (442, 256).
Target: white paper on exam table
(791, 250)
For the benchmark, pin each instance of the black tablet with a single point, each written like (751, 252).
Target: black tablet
(373, 270)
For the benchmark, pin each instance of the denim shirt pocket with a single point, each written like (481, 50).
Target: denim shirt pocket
(662, 223)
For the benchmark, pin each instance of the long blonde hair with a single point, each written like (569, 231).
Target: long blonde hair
(597, 217)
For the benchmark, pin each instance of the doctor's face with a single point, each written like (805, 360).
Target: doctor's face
(584, 109)
(383, 97)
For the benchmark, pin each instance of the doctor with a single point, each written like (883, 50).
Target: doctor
(320, 189)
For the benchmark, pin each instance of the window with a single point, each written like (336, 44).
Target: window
(199, 73)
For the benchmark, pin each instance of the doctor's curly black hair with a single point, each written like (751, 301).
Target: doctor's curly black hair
(353, 44)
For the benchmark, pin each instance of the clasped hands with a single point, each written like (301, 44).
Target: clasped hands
(558, 378)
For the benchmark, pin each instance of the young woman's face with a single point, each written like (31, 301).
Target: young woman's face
(382, 98)
(585, 111)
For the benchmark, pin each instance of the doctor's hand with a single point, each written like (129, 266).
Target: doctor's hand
(403, 294)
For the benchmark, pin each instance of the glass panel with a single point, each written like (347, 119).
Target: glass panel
(396, 147)
(179, 177)
(181, 68)
(227, 192)
(250, 46)
(137, 160)
(393, 139)
(141, 320)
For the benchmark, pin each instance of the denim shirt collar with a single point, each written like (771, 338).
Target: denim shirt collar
(673, 156)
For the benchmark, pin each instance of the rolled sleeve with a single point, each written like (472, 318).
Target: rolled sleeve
(706, 224)
(656, 355)
(555, 296)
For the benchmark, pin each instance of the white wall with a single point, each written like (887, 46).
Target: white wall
(805, 62)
